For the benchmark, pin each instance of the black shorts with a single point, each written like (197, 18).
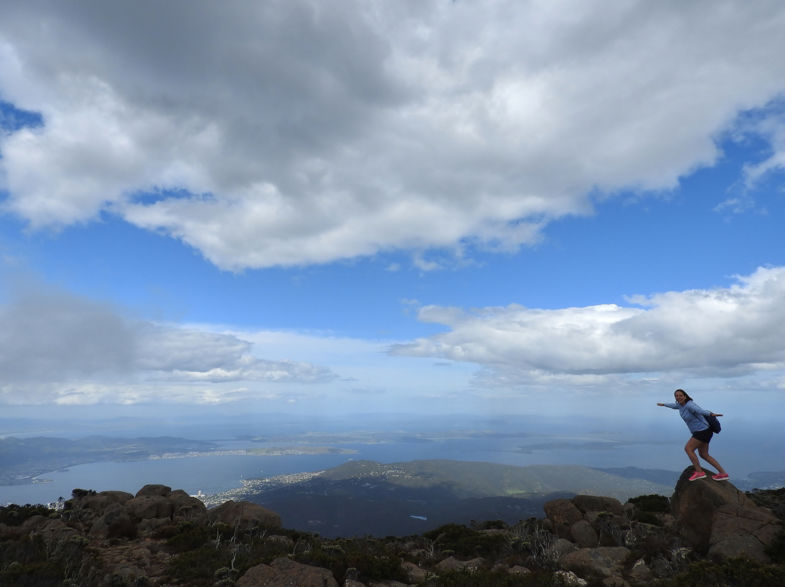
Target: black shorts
(703, 435)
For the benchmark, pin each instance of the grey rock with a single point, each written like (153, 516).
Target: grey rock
(154, 491)
(563, 514)
(719, 519)
(583, 534)
(604, 561)
(283, 572)
(595, 503)
(244, 515)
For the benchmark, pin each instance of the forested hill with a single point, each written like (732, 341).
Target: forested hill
(481, 479)
(370, 498)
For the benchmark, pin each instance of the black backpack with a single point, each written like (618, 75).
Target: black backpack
(714, 424)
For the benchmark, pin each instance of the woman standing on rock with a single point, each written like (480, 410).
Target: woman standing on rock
(694, 416)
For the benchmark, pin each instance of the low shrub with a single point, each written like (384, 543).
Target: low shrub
(776, 550)
(15, 515)
(187, 537)
(197, 568)
(652, 503)
(738, 572)
(466, 542)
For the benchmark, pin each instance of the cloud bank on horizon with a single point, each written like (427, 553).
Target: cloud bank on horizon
(281, 135)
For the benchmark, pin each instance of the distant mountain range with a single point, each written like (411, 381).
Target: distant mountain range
(369, 498)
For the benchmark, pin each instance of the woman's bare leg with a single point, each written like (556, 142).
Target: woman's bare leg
(692, 445)
(703, 451)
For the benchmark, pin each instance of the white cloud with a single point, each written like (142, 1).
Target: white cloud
(62, 348)
(773, 129)
(300, 132)
(726, 331)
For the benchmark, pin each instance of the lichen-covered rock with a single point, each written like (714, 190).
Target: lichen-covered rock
(415, 573)
(185, 507)
(453, 564)
(603, 561)
(561, 547)
(283, 572)
(518, 570)
(569, 579)
(640, 573)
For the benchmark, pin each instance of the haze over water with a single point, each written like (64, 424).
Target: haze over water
(513, 441)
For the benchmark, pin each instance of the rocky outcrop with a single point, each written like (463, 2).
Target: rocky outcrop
(717, 519)
(605, 561)
(453, 564)
(117, 514)
(244, 515)
(588, 521)
(283, 572)
(164, 537)
(596, 528)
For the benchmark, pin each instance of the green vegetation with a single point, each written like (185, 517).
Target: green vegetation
(198, 567)
(776, 549)
(465, 542)
(476, 479)
(648, 506)
(25, 562)
(15, 515)
(652, 503)
(738, 572)
(367, 559)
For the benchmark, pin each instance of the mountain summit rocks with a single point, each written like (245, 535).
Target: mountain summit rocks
(161, 536)
(599, 535)
(717, 519)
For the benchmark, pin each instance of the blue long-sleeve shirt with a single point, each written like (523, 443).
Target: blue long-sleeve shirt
(692, 414)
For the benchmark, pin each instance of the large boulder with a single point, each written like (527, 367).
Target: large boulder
(114, 523)
(596, 503)
(283, 572)
(588, 520)
(244, 515)
(85, 507)
(154, 490)
(717, 519)
(583, 534)
(563, 514)
(603, 561)
(186, 507)
(91, 504)
(143, 507)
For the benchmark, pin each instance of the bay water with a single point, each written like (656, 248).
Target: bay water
(216, 473)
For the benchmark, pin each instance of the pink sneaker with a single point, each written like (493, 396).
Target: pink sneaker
(720, 477)
(695, 476)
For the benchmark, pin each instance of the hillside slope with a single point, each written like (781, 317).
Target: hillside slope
(370, 498)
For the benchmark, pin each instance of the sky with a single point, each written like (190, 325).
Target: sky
(547, 207)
